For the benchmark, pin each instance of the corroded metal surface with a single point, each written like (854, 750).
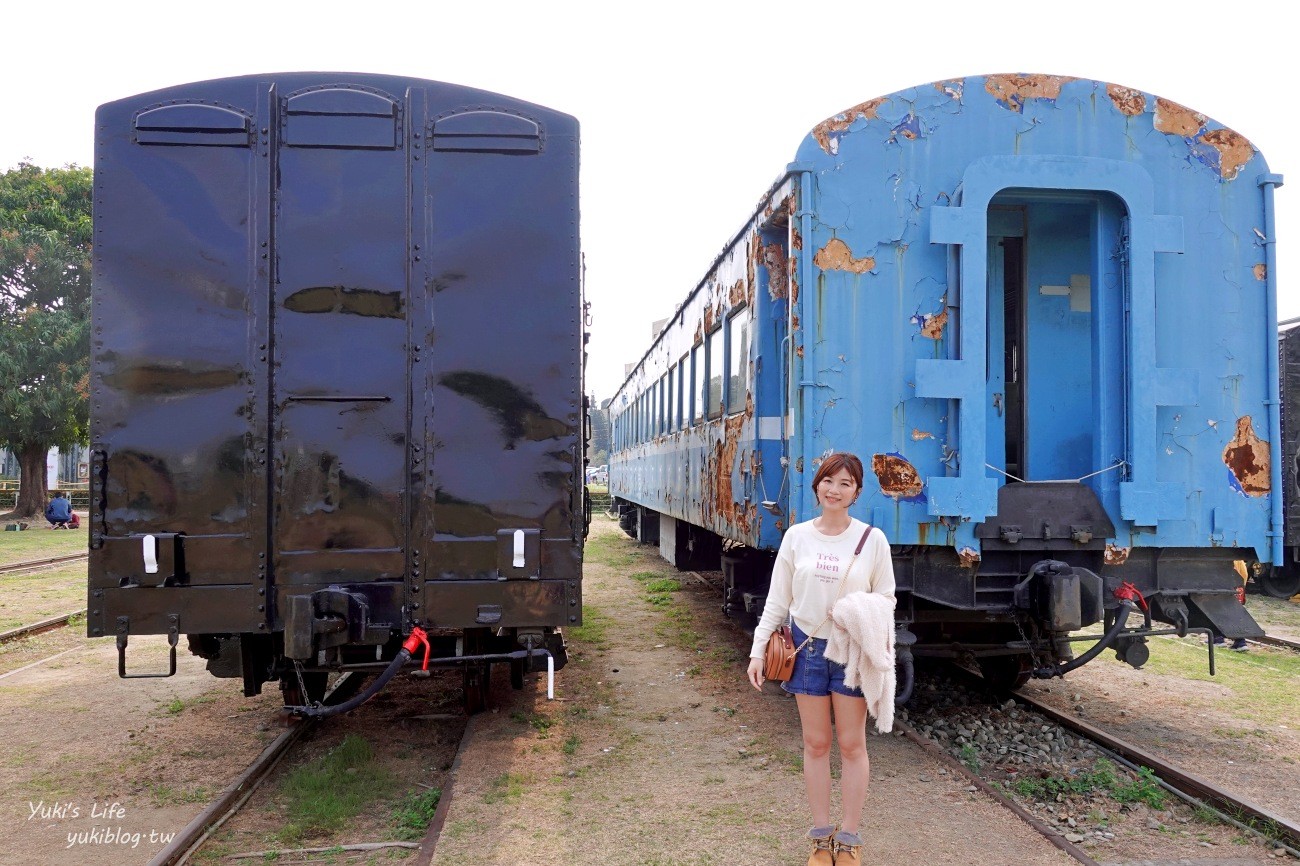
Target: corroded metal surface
(980, 287)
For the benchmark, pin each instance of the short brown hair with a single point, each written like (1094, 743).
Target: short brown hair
(834, 463)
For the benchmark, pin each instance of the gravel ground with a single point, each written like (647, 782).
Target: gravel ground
(1065, 781)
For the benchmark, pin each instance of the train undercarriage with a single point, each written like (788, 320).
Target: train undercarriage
(1041, 610)
(263, 658)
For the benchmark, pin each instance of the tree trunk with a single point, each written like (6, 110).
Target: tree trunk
(33, 494)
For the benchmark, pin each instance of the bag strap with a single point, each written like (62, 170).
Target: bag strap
(843, 582)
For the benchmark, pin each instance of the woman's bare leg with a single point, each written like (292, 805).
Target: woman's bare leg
(815, 719)
(855, 767)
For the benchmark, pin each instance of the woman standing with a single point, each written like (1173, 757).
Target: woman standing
(820, 561)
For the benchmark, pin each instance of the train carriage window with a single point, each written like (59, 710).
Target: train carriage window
(698, 383)
(683, 401)
(737, 360)
(662, 415)
(670, 413)
(717, 359)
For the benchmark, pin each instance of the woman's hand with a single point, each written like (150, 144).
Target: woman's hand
(756, 673)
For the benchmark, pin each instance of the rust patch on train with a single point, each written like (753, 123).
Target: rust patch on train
(737, 295)
(752, 250)
(1130, 102)
(836, 256)
(1011, 91)
(1234, 150)
(933, 326)
(1116, 555)
(1175, 119)
(898, 478)
(842, 121)
(1247, 458)
(919, 434)
(1261, 272)
(969, 557)
(792, 278)
(774, 264)
(719, 502)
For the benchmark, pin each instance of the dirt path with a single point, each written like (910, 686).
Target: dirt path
(98, 770)
(657, 752)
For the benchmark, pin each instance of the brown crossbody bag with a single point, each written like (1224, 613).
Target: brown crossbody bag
(778, 658)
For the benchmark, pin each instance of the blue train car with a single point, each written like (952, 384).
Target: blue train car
(1042, 310)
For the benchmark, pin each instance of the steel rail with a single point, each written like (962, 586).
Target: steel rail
(1241, 812)
(38, 627)
(41, 563)
(1270, 640)
(228, 803)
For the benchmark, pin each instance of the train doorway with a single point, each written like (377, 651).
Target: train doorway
(1046, 356)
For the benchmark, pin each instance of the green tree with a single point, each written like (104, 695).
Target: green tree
(45, 237)
(598, 446)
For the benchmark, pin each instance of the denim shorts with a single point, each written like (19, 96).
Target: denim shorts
(814, 674)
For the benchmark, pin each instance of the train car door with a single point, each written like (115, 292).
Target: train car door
(339, 367)
(1047, 361)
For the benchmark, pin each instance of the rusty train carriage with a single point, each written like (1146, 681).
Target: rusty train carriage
(337, 375)
(1040, 308)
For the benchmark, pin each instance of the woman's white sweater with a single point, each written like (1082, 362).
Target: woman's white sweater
(806, 577)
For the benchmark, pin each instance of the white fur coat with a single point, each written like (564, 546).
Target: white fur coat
(862, 639)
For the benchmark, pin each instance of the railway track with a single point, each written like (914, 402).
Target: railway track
(1270, 640)
(1199, 792)
(1237, 811)
(36, 628)
(33, 564)
(229, 802)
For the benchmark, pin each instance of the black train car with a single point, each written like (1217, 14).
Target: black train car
(336, 376)
(1284, 581)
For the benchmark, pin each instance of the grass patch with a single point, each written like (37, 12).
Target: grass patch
(594, 630)
(505, 788)
(413, 813)
(1102, 779)
(1262, 681)
(538, 723)
(31, 596)
(969, 756)
(37, 542)
(324, 794)
(166, 795)
(571, 744)
(610, 550)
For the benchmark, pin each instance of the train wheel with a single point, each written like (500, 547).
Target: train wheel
(315, 681)
(1280, 582)
(1005, 673)
(477, 682)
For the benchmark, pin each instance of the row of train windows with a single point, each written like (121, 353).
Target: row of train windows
(693, 388)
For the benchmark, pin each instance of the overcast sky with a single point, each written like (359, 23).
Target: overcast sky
(689, 110)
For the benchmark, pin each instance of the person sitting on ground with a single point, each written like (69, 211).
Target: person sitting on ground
(58, 512)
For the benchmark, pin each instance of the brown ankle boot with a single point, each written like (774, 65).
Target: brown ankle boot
(848, 849)
(823, 851)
